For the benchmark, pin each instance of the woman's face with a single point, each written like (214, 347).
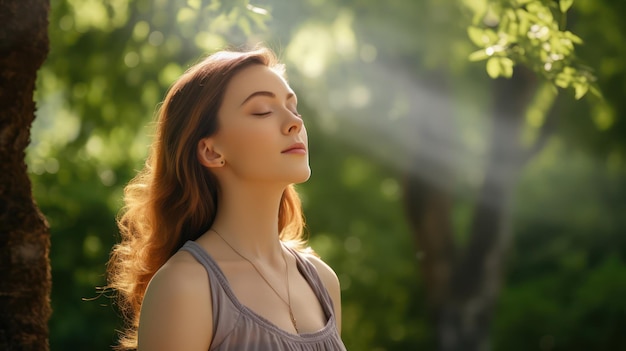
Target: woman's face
(261, 136)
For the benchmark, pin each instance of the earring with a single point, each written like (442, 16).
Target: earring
(222, 162)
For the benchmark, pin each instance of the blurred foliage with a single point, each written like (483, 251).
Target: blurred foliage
(567, 266)
(358, 67)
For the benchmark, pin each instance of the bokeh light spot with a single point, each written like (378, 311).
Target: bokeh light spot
(131, 59)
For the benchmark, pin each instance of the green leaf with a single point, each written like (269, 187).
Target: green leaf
(506, 65)
(508, 18)
(478, 56)
(580, 90)
(573, 37)
(565, 5)
(494, 68)
(476, 35)
(563, 80)
(540, 13)
(523, 20)
(500, 66)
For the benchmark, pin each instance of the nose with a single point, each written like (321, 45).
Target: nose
(294, 124)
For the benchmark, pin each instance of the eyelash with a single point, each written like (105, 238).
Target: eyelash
(267, 113)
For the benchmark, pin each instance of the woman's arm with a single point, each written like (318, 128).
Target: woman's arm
(176, 313)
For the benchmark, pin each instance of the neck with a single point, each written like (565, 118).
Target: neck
(247, 218)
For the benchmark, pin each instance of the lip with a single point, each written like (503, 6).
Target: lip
(297, 148)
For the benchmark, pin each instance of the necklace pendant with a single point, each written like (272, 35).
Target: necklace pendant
(293, 321)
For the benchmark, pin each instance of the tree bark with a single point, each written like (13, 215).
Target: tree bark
(464, 282)
(24, 236)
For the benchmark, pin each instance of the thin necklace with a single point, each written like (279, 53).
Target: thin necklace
(288, 301)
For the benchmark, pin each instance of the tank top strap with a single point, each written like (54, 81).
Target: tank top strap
(309, 271)
(225, 314)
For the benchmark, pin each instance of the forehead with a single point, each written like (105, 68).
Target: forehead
(252, 79)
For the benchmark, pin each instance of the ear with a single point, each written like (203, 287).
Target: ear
(207, 155)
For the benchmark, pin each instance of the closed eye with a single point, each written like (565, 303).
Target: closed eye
(262, 113)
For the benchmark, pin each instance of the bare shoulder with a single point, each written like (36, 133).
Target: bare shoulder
(326, 273)
(176, 312)
(331, 282)
(179, 269)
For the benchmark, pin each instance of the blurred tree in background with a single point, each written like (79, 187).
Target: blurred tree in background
(410, 139)
(24, 236)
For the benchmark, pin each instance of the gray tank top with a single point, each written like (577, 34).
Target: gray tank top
(236, 327)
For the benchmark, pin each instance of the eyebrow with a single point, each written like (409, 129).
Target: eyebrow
(266, 93)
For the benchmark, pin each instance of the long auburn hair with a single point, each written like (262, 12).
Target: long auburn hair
(174, 198)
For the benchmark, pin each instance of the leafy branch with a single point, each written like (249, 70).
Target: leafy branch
(530, 33)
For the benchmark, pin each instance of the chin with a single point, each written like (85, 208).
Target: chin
(303, 176)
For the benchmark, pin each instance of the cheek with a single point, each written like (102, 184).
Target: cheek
(249, 142)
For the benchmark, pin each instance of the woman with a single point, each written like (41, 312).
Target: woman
(212, 255)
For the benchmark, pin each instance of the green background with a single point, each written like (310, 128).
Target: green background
(363, 70)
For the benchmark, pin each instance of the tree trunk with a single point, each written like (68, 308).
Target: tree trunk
(463, 282)
(24, 236)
